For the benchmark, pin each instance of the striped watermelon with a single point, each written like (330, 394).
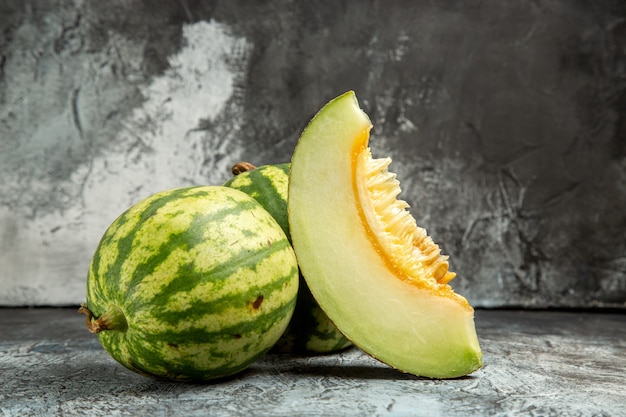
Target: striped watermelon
(191, 284)
(310, 330)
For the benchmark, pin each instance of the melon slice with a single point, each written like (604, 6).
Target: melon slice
(377, 275)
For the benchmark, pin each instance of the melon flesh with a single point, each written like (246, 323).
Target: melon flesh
(377, 275)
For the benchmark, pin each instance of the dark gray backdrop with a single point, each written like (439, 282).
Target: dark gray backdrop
(506, 121)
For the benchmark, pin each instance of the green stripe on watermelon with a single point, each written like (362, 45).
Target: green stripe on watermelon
(145, 242)
(310, 330)
(199, 283)
(177, 293)
(267, 185)
(216, 302)
(229, 349)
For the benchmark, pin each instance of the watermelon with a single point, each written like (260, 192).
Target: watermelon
(310, 330)
(191, 284)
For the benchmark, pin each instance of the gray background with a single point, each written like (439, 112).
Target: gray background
(506, 121)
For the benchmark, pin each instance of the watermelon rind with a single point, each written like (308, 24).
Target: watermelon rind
(206, 280)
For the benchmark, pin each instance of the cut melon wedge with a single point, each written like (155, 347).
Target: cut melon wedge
(377, 275)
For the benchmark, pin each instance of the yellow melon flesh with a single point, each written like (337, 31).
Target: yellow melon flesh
(377, 275)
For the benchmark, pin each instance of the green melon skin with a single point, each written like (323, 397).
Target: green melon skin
(192, 284)
(310, 330)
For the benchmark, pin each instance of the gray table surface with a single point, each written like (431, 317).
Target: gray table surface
(536, 363)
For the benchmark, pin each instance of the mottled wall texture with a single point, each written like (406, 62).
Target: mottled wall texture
(506, 121)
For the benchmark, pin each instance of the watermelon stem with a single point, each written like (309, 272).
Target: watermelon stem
(241, 167)
(112, 319)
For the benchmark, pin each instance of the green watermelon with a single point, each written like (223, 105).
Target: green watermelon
(191, 284)
(310, 330)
